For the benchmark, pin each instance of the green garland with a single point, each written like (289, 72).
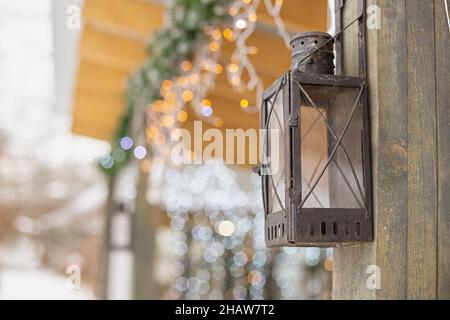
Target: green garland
(171, 45)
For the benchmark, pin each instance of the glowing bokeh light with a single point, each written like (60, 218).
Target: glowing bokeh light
(226, 228)
(126, 143)
(140, 152)
(207, 111)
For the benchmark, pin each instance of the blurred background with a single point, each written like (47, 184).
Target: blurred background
(90, 206)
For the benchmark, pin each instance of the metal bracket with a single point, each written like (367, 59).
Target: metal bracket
(339, 17)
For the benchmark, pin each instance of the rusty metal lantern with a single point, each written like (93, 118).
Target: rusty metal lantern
(316, 169)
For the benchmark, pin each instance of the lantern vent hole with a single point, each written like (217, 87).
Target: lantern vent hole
(335, 231)
(358, 229)
(323, 228)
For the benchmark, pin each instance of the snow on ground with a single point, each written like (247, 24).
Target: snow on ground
(38, 284)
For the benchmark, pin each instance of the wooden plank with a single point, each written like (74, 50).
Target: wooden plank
(136, 16)
(106, 81)
(102, 121)
(145, 226)
(389, 136)
(79, 127)
(411, 157)
(351, 283)
(116, 52)
(422, 201)
(93, 92)
(442, 39)
(113, 108)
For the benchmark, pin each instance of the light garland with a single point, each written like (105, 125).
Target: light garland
(175, 77)
(171, 45)
(197, 77)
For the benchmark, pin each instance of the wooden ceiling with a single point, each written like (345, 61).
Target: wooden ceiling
(112, 46)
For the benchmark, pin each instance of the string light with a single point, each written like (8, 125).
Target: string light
(166, 85)
(190, 88)
(188, 96)
(182, 116)
(233, 68)
(216, 34)
(207, 111)
(206, 103)
(168, 120)
(244, 103)
(213, 46)
(235, 80)
(218, 69)
(218, 122)
(228, 34)
(152, 132)
(240, 24)
(186, 66)
(233, 11)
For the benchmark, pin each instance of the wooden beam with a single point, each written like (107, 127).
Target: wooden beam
(442, 42)
(136, 17)
(422, 161)
(112, 108)
(113, 51)
(105, 80)
(351, 284)
(389, 136)
(409, 135)
(88, 129)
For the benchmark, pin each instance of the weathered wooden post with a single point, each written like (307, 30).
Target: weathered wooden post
(408, 72)
(144, 245)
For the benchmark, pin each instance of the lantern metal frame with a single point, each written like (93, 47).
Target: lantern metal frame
(294, 224)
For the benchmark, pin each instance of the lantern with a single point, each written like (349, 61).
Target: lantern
(316, 156)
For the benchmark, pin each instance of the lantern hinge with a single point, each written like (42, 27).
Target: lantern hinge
(293, 119)
(294, 195)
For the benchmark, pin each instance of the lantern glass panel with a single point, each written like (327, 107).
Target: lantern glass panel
(275, 152)
(331, 124)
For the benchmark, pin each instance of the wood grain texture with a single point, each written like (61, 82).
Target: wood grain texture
(387, 56)
(350, 282)
(422, 197)
(144, 243)
(409, 96)
(442, 39)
